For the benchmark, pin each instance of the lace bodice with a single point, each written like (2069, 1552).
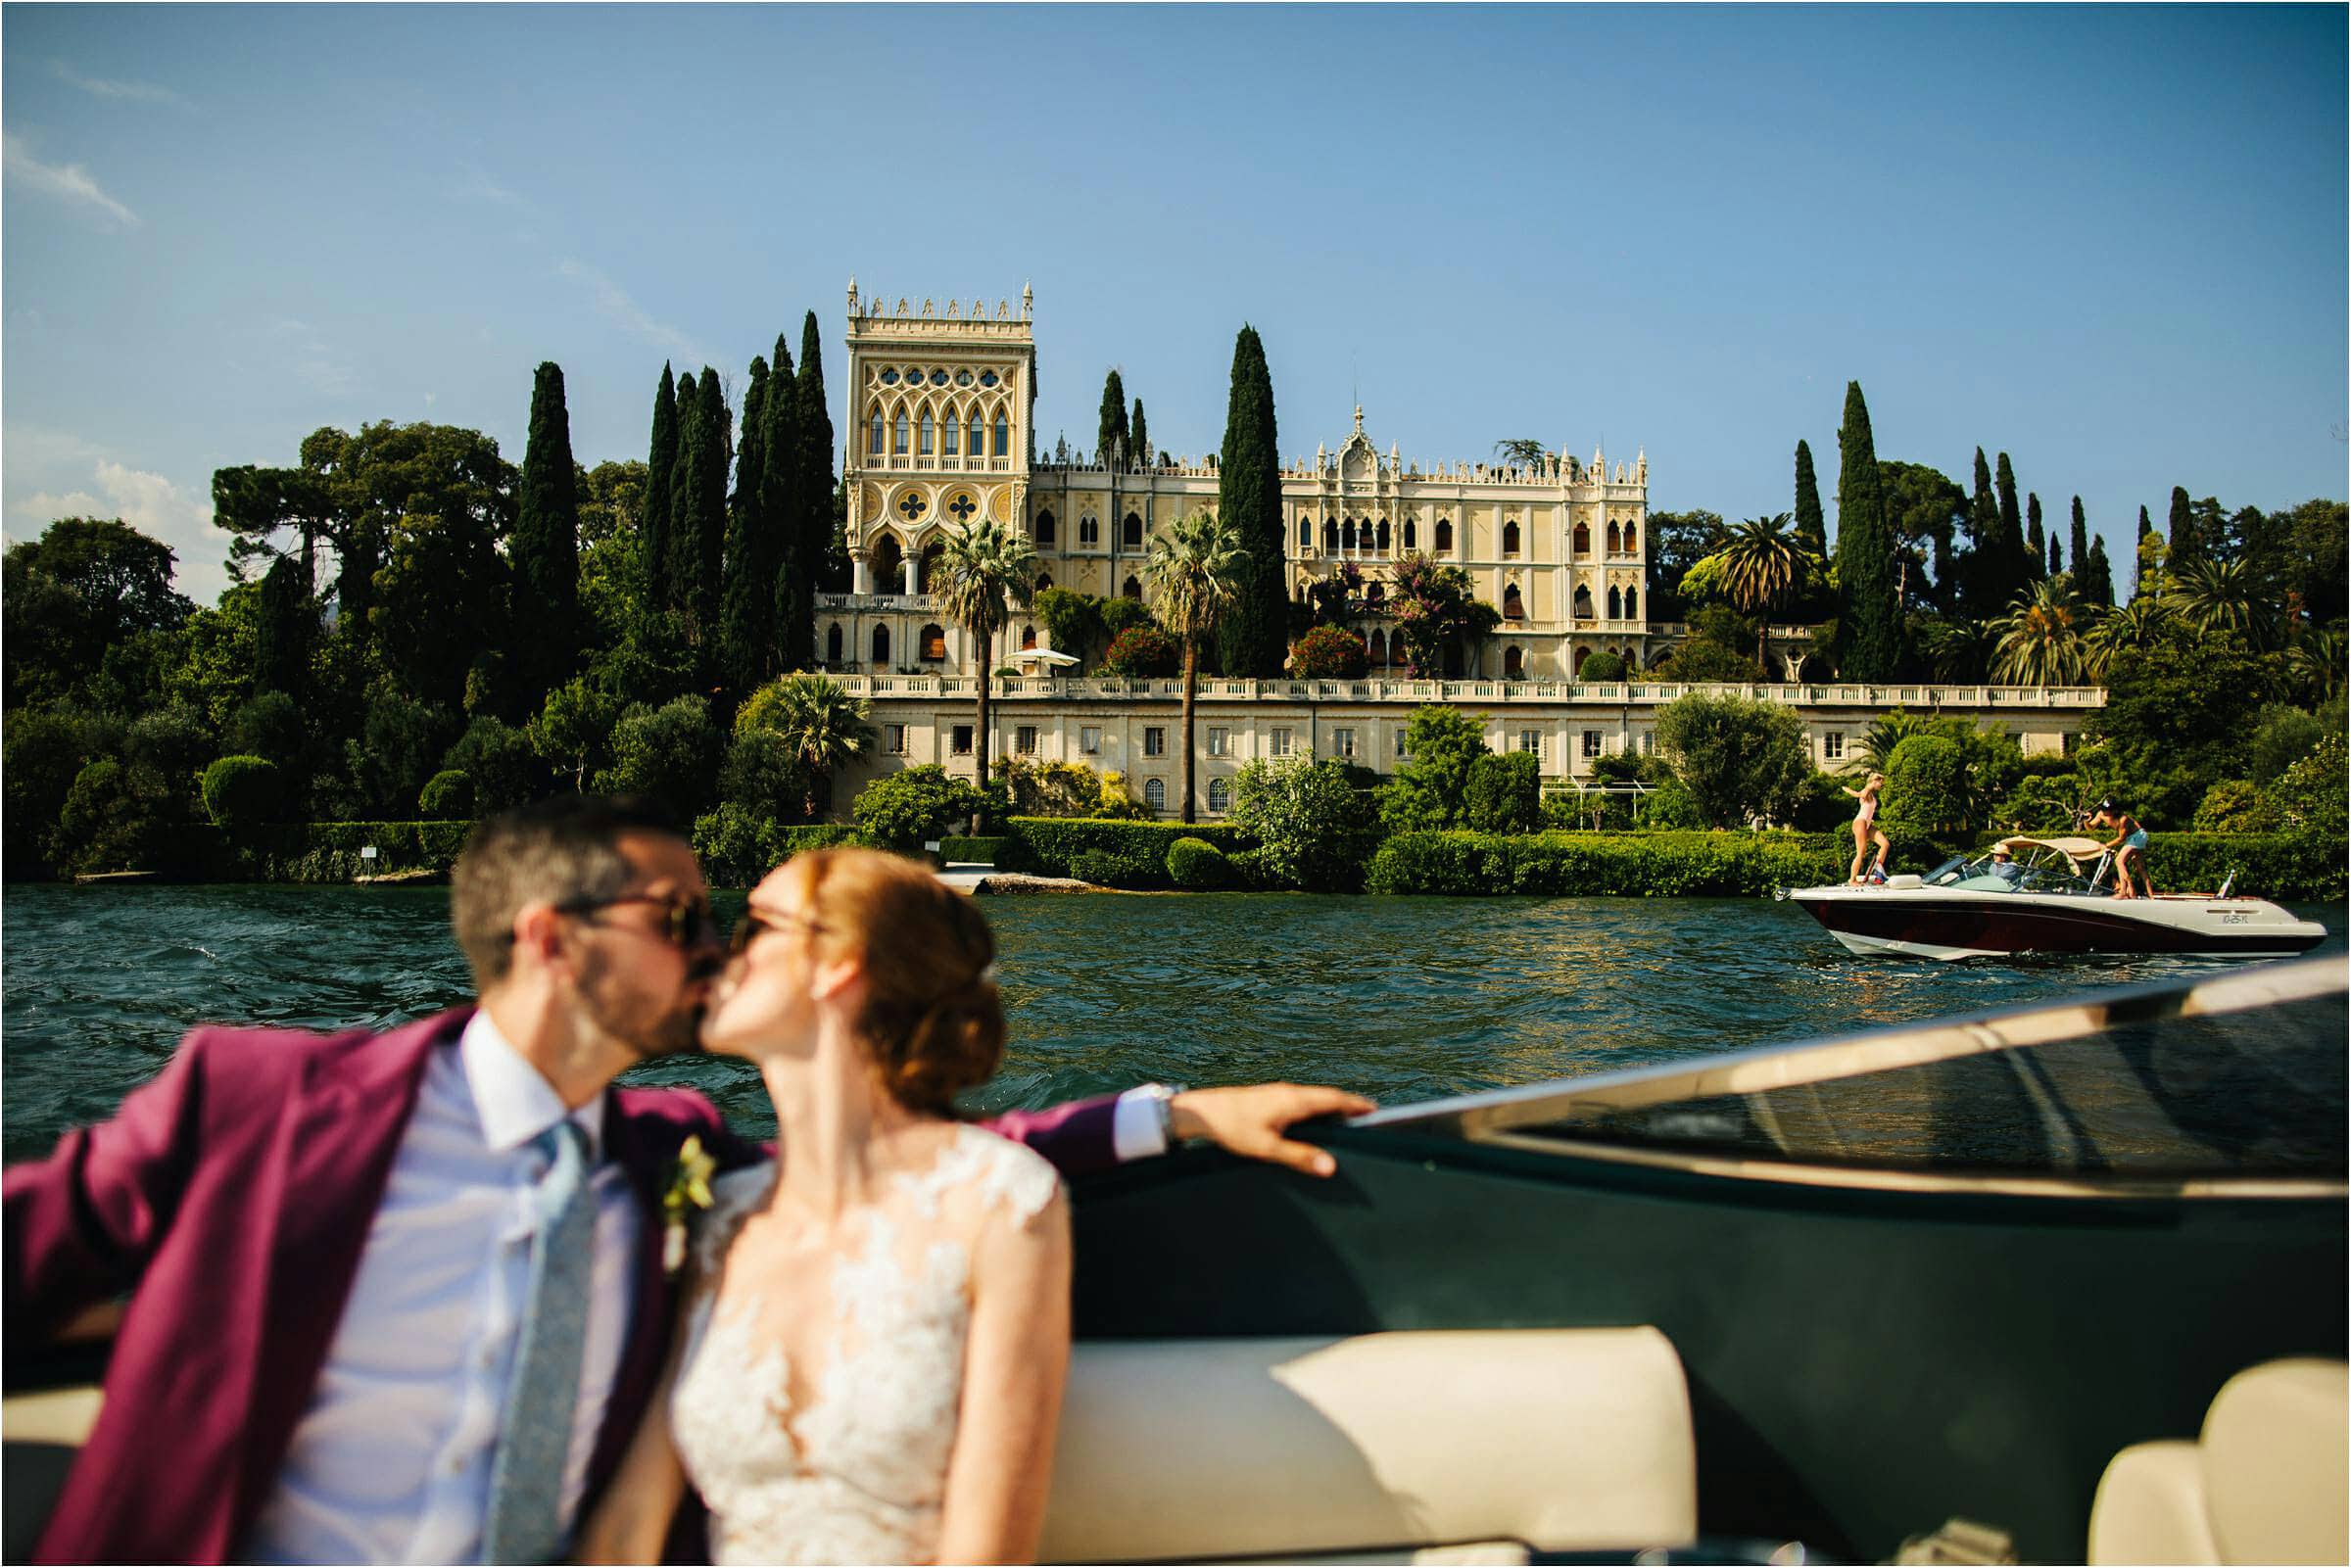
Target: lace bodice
(857, 1470)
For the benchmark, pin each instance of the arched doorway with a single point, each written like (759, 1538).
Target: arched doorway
(890, 566)
(833, 645)
(1583, 603)
(1514, 663)
(881, 647)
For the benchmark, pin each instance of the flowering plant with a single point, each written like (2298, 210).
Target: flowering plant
(687, 1189)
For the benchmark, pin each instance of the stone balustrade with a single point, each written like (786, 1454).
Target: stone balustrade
(1636, 693)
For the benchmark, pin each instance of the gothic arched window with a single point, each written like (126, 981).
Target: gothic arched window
(1514, 607)
(1583, 603)
(1615, 539)
(1444, 536)
(1383, 535)
(1130, 531)
(971, 444)
(1347, 534)
(881, 646)
(1412, 535)
(1330, 532)
(1376, 594)
(1583, 540)
(833, 645)
(1028, 638)
(1632, 604)
(898, 446)
(1044, 579)
(872, 441)
(1044, 527)
(1632, 539)
(1615, 606)
(934, 643)
(1510, 537)
(1003, 435)
(1306, 533)
(949, 427)
(923, 436)
(1513, 664)
(1133, 589)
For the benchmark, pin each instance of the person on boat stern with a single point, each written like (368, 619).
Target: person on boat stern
(2130, 846)
(1865, 826)
(351, 1256)
(2005, 868)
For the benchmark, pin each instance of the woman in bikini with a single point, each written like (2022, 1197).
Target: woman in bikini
(1865, 826)
(2130, 846)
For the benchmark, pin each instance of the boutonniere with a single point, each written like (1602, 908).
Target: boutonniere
(687, 1189)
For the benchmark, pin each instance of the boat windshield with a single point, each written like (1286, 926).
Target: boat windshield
(2238, 1076)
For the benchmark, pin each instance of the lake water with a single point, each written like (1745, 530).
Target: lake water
(1399, 998)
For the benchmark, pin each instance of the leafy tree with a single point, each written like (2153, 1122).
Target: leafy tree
(1430, 790)
(447, 797)
(2185, 547)
(2282, 737)
(668, 754)
(661, 471)
(243, 791)
(1195, 572)
(83, 587)
(1138, 437)
(1522, 452)
(760, 776)
(1110, 432)
(1505, 793)
(1677, 542)
(820, 726)
(1122, 614)
(1762, 567)
(2174, 713)
(42, 751)
(2310, 795)
(285, 627)
(573, 727)
(2041, 639)
(1868, 617)
(1338, 598)
(398, 747)
(1328, 653)
(441, 583)
(115, 818)
(697, 508)
(1316, 830)
(2236, 806)
(1252, 640)
(1811, 525)
(1739, 759)
(267, 724)
(1926, 786)
(1603, 666)
(545, 548)
(1143, 652)
(1438, 616)
(906, 809)
(1072, 621)
(983, 569)
(501, 762)
(1924, 513)
(748, 598)
(1715, 650)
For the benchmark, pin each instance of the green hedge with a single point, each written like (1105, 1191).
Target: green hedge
(2300, 867)
(1000, 850)
(1596, 864)
(329, 852)
(738, 847)
(1132, 854)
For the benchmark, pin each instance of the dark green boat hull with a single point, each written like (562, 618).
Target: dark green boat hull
(1863, 1365)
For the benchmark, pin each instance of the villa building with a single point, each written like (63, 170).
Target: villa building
(941, 432)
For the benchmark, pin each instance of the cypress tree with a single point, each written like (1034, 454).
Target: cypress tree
(818, 525)
(1869, 625)
(2185, 545)
(2037, 544)
(1110, 436)
(747, 599)
(716, 454)
(546, 547)
(1811, 525)
(1138, 437)
(2081, 551)
(1253, 637)
(2012, 528)
(683, 548)
(780, 502)
(1980, 594)
(2098, 578)
(284, 630)
(653, 537)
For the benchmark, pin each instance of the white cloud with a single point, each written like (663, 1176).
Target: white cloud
(124, 91)
(478, 186)
(149, 503)
(69, 181)
(612, 301)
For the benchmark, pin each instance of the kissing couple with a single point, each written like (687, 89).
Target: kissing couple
(418, 1297)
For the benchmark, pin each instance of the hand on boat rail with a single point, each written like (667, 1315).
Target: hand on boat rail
(1250, 1121)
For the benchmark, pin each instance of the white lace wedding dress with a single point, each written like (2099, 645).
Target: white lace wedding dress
(857, 1474)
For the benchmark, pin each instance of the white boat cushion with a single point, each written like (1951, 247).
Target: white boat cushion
(2276, 1455)
(1562, 1439)
(2150, 1507)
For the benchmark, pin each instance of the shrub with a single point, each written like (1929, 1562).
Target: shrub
(115, 818)
(1120, 614)
(499, 758)
(1431, 789)
(1195, 863)
(1589, 865)
(1101, 868)
(267, 724)
(1926, 786)
(1003, 851)
(2042, 803)
(1670, 807)
(1251, 869)
(1072, 620)
(1137, 851)
(906, 809)
(1328, 653)
(1821, 805)
(669, 754)
(1603, 666)
(1143, 652)
(2236, 806)
(1739, 758)
(761, 774)
(2283, 736)
(739, 845)
(1064, 789)
(2311, 794)
(447, 794)
(1505, 793)
(41, 755)
(2300, 867)
(1317, 829)
(243, 791)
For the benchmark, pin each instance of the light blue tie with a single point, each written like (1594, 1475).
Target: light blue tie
(526, 1478)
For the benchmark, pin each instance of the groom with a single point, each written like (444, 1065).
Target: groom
(329, 1239)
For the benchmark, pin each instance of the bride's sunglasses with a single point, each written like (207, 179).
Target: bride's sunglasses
(748, 928)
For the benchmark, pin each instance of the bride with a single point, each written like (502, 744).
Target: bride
(869, 1365)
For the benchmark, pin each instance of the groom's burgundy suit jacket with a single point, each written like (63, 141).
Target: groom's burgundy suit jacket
(233, 1195)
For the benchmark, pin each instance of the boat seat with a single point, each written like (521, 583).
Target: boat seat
(1435, 1447)
(2264, 1483)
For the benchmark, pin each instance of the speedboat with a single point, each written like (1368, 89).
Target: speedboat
(2051, 895)
(2056, 1284)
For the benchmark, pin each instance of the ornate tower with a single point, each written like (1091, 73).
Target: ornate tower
(939, 402)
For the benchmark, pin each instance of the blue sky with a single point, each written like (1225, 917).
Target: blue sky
(2107, 240)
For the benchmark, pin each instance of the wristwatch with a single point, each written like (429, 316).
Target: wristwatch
(1163, 1099)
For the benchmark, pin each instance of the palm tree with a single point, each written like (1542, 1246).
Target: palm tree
(2127, 628)
(983, 570)
(2221, 596)
(819, 723)
(1760, 563)
(1881, 737)
(1959, 649)
(1192, 570)
(2040, 636)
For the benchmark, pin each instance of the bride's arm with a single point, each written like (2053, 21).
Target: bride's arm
(1014, 1367)
(631, 1521)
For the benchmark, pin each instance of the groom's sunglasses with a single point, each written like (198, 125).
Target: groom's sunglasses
(685, 926)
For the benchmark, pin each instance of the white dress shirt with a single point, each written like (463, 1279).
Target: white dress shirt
(390, 1462)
